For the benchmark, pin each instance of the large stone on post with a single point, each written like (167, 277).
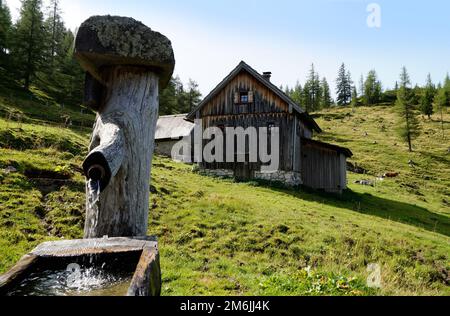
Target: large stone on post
(127, 64)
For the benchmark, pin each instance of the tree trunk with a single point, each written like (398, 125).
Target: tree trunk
(29, 66)
(410, 142)
(55, 7)
(123, 143)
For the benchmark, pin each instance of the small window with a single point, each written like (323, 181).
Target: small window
(271, 127)
(244, 97)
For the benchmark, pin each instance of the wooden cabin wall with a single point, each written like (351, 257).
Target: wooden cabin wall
(267, 108)
(323, 169)
(343, 163)
(284, 121)
(265, 101)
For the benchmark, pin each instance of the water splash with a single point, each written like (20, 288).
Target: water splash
(93, 199)
(75, 281)
(82, 280)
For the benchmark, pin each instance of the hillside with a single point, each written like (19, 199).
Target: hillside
(218, 237)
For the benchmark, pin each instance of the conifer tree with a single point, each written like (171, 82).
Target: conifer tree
(56, 32)
(193, 96)
(167, 100)
(68, 77)
(312, 91)
(426, 102)
(354, 102)
(408, 126)
(343, 87)
(326, 101)
(29, 41)
(442, 100)
(372, 89)
(5, 32)
(361, 86)
(297, 94)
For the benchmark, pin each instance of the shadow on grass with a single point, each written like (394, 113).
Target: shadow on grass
(440, 159)
(369, 204)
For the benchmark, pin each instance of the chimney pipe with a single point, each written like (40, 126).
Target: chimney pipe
(267, 75)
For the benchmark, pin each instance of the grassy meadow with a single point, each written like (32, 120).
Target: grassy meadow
(219, 237)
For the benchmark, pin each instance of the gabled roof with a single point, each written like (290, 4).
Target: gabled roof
(345, 151)
(173, 127)
(243, 66)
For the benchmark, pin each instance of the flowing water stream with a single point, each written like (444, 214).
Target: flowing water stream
(93, 199)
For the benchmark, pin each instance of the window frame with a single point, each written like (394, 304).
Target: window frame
(244, 97)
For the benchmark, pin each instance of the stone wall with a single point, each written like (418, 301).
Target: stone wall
(223, 173)
(287, 177)
(164, 148)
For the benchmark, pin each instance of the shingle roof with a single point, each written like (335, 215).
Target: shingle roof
(244, 66)
(173, 127)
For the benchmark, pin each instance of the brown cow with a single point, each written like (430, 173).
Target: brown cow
(391, 175)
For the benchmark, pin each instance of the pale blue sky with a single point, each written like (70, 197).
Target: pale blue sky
(286, 36)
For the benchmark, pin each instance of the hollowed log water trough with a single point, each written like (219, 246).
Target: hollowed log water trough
(134, 262)
(126, 65)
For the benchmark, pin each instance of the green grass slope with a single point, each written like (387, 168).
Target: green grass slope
(218, 237)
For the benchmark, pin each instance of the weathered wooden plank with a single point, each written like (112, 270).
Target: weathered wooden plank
(124, 136)
(17, 272)
(122, 144)
(323, 169)
(75, 248)
(147, 278)
(265, 101)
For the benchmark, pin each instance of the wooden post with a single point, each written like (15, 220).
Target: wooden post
(127, 65)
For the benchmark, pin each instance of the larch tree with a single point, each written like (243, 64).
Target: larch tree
(361, 85)
(296, 94)
(408, 128)
(168, 100)
(325, 101)
(29, 40)
(68, 76)
(5, 32)
(193, 95)
(442, 101)
(56, 32)
(354, 102)
(372, 89)
(312, 91)
(426, 102)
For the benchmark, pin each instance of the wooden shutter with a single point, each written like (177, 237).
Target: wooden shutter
(236, 98)
(251, 97)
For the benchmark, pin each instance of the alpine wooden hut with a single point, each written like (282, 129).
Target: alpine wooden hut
(170, 130)
(247, 98)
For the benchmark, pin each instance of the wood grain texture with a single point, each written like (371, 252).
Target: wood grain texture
(51, 255)
(17, 273)
(324, 169)
(124, 134)
(75, 248)
(147, 278)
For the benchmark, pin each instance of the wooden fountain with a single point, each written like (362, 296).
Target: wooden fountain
(126, 65)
